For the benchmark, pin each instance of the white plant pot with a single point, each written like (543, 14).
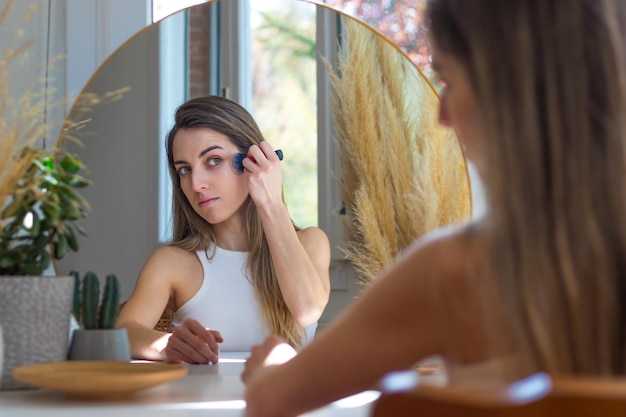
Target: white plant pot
(35, 320)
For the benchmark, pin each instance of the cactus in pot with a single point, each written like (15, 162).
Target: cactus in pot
(89, 311)
(97, 339)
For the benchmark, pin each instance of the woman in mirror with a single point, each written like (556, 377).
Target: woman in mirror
(238, 268)
(536, 91)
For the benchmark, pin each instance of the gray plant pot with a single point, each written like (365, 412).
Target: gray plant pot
(35, 320)
(99, 345)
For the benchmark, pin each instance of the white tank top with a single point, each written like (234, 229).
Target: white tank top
(225, 302)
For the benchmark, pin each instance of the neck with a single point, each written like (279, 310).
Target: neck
(231, 234)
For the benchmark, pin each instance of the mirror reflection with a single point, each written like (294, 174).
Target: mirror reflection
(194, 53)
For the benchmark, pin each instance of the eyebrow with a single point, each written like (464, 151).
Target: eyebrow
(204, 152)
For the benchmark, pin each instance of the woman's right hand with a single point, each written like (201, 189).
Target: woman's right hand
(273, 351)
(193, 343)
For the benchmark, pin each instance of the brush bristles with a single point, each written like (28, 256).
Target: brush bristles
(237, 162)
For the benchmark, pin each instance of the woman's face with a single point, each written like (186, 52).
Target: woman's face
(456, 107)
(202, 157)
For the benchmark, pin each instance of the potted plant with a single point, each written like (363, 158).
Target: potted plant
(39, 210)
(97, 338)
(39, 220)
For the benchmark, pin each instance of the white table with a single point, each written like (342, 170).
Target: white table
(207, 390)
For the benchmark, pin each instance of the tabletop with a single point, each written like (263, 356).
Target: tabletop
(207, 390)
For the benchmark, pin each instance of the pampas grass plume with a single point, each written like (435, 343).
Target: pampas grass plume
(402, 175)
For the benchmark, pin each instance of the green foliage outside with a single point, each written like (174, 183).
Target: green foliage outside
(285, 100)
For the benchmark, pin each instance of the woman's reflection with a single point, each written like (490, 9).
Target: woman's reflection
(238, 268)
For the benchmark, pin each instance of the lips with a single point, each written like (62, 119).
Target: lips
(206, 201)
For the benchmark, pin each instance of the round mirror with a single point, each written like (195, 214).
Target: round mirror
(285, 84)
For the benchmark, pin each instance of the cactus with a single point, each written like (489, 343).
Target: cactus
(110, 303)
(91, 297)
(89, 313)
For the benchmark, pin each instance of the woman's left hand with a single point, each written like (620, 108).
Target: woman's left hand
(274, 351)
(265, 178)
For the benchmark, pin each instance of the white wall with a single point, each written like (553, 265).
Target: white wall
(95, 29)
(40, 26)
(121, 145)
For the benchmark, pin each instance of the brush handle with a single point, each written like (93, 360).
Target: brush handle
(237, 160)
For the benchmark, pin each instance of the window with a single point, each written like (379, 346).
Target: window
(284, 95)
(262, 54)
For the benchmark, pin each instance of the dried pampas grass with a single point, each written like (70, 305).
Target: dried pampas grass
(20, 117)
(402, 175)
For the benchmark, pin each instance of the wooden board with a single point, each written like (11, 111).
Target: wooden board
(98, 379)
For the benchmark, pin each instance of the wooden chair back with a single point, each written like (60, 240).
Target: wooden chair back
(165, 322)
(536, 396)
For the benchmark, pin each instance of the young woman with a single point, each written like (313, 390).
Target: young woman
(238, 268)
(536, 91)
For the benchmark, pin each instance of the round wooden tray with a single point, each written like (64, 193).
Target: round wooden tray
(98, 380)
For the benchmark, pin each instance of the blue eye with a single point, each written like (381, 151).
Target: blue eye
(214, 161)
(184, 171)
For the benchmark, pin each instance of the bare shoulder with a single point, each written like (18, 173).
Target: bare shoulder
(453, 251)
(312, 233)
(442, 270)
(168, 265)
(454, 280)
(156, 286)
(313, 237)
(172, 271)
(171, 256)
(424, 301)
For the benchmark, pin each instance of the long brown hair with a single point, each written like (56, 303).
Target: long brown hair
(193, 233)
(549, 81)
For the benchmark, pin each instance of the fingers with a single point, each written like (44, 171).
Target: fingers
(258, 154)
(278, 351)
(253, 363)
(217, 336)
(210, 345)
(273, 351)
(193, 343)
(269, 151)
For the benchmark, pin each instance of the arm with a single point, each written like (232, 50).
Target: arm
(169, 276)
(145, 306)
(301, 259)
(403, 317)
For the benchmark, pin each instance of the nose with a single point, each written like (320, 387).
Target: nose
(199, 180)
(444, 119)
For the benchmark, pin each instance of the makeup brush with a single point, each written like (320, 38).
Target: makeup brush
(237, 160)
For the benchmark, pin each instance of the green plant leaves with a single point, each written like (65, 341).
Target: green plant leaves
(40, 220)
(61, 247)
(71, 164)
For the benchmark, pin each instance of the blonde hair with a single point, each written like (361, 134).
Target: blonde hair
(193, 233)
(549, 80)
